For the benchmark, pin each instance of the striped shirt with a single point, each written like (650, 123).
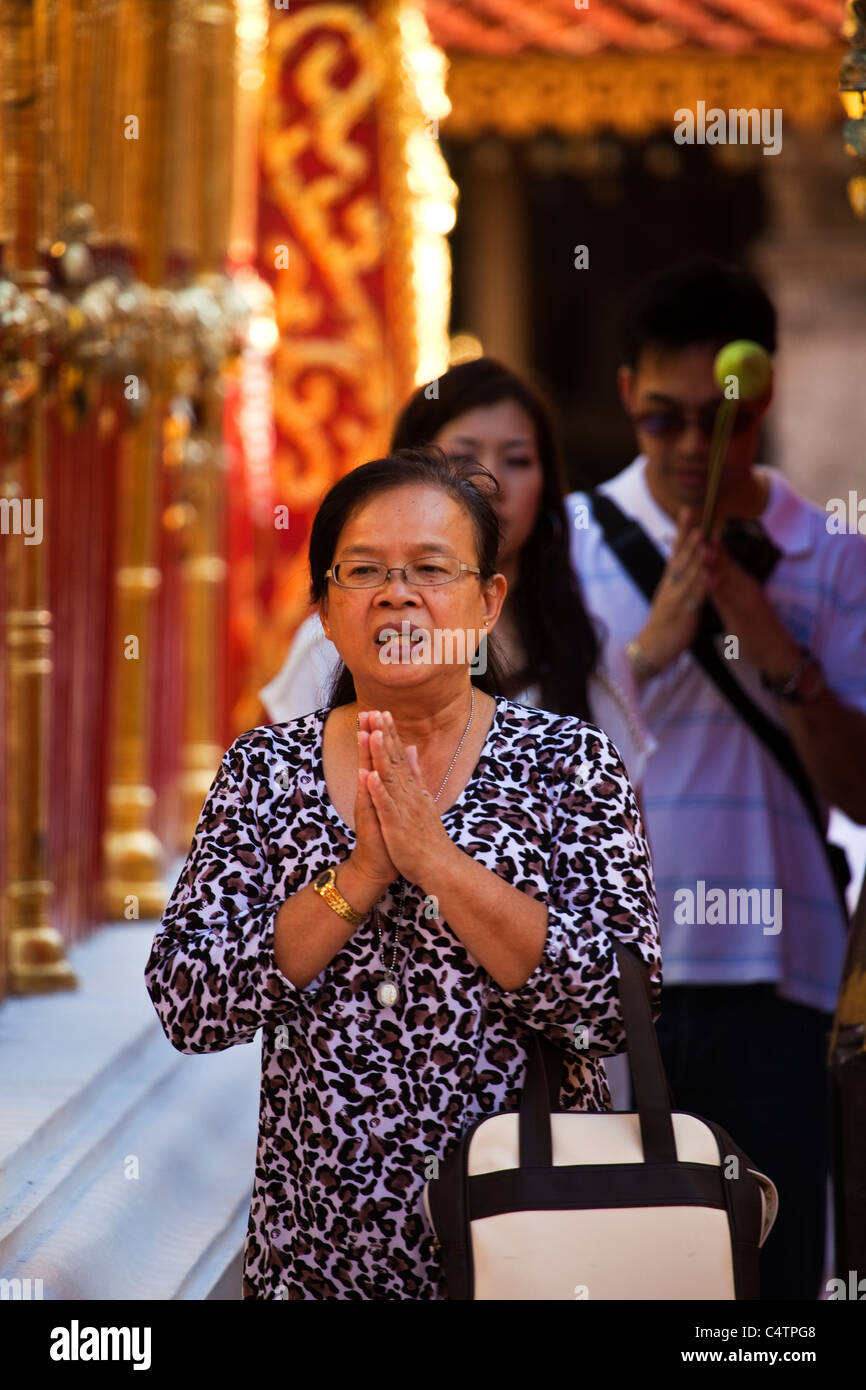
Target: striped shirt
(723, 818)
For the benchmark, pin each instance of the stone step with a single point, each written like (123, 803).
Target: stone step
(92, 1093)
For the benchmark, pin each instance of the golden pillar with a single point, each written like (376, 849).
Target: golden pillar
(134, 857)
(34, 952)
(204, 567)
(204, 571)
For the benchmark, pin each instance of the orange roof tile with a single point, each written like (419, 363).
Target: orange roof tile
(503, 28)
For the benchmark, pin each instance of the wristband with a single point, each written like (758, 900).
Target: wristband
(790, 689)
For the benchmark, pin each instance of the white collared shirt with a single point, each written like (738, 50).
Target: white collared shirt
(723, 818)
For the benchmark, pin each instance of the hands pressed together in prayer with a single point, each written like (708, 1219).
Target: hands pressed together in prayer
(699, 570)
(399, 831)
(745, 611)
(397, 827)
(829, 735)
(675, 611)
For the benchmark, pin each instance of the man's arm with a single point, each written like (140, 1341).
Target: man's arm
(829, 736)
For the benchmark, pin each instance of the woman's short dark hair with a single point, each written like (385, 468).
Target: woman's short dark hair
(467, 482)
(555, 630)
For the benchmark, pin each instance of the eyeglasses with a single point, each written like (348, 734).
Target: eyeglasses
(670, 421)
(429, 570)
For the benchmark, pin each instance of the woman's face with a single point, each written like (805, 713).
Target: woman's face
(408, 523)
(502, 437)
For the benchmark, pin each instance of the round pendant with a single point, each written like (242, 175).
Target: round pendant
(387, 993)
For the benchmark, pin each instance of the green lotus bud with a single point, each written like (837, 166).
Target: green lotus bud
(749, 363)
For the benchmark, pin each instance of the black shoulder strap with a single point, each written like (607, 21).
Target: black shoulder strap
(645, 565)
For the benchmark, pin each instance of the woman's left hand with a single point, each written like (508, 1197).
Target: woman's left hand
(411, 826)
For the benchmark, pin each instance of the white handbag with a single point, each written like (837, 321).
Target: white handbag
(544, 1204)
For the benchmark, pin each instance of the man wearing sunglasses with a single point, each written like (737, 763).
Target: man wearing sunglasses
(750, 653)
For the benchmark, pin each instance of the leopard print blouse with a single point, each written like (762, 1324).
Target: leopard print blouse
(359, 1101)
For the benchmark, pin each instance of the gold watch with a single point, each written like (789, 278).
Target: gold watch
(325, 885)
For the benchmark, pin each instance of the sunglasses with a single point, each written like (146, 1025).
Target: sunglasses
(668, 421)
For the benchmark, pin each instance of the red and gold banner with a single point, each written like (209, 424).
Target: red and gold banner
(354, 198)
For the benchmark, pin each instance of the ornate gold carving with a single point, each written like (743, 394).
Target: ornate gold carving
(332, 389)
(344, 192)
(334, 244)
(634, 93)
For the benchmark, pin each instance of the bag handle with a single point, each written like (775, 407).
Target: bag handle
(648, 1079)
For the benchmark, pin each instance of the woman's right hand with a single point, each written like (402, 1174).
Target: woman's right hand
(370, 856)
